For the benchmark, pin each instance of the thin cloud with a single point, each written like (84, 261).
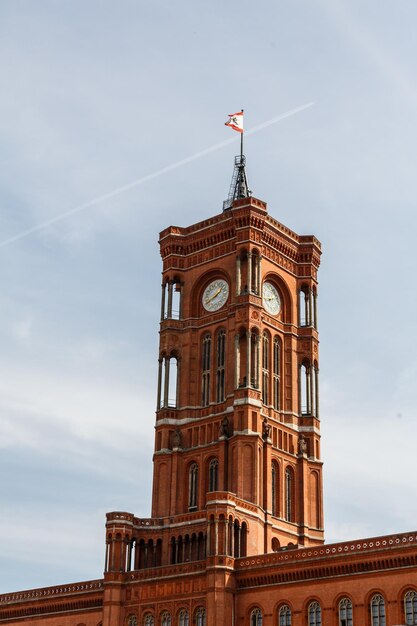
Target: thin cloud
(144, 179)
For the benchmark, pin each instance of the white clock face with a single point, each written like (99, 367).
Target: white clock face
(215, 295)
(270, 298)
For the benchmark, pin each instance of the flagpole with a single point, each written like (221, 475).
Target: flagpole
(241, 143)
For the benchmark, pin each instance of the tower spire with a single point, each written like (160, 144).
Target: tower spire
(239, 184)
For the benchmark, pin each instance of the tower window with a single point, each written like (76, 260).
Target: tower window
(378, 610)
(314, 614)
(275, 489)
(171, 300)
(193, 487)
(205, 367)
(276, 374)
(410, 608)
(345, 612)
(221, 360)
(149, 620)
(289, 487)
(213, 474)
(284, 616)
(265, 368)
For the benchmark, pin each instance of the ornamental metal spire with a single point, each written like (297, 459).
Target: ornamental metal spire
(239, 185)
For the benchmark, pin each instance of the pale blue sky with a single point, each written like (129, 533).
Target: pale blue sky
(98, 94)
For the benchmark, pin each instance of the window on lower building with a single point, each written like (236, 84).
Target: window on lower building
(284, 616)
(345, 612)
(378, 610)
(149, 620)
(183, 618)
(410, 608)
(256, 617)
(165, 619)
(314, 614)
(200, 616)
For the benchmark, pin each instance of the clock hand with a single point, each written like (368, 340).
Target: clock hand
(213, 296)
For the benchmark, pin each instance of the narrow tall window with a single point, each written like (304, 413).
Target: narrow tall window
(284, 616)
(345, 612)
(314, 614)
(132, 621)
(410, 608)
(289, 486)
(256, 617)
(220, 362)
(193, 487)
(265, 368)
(305, 388)
(205, 367)
(149, 620)
(200, 617)
(275, 482)
(213, 474)
(378, 610)
(304, 306)
(276, 374)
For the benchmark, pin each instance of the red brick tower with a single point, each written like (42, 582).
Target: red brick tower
(237, 467)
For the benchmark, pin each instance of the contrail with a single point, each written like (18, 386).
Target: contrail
(144, 179)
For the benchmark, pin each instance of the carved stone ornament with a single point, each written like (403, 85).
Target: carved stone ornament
(177, 439)
(224, 430)
(302, 445)
(266, 429)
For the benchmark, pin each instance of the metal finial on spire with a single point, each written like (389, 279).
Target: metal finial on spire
(239, 185)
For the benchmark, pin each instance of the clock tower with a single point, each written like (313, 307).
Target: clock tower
(237, 466)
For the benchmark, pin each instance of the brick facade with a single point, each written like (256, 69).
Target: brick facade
(236, 534)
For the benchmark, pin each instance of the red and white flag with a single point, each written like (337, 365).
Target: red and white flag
(235, 121)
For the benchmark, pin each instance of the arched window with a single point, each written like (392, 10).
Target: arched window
(410, 608)
(265, 368)
(193, 487)
(276, 374)
(213, 474)
(284, 616)
(132, 620)
(205, 368)
(221, 360)
(314, 614)
(378, 610)
(256, 617)
(165, 619)
(149, 620)
(345, 612)
(289, 487)
(200, 617)
(183, 618)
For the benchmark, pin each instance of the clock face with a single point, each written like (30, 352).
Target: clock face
(215, 295)
(270, 298)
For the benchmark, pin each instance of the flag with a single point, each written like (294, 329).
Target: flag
(235, 121)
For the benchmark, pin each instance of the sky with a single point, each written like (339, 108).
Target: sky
(112, 128)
